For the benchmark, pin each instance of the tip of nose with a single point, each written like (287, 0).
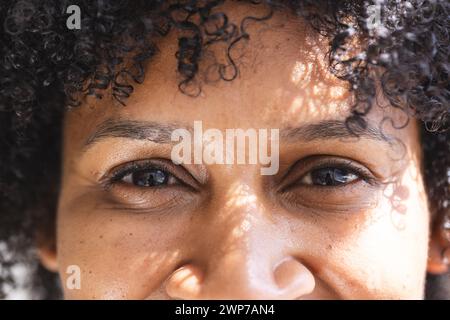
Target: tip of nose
(291, 280)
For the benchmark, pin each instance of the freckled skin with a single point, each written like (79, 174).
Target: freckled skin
(239, 236)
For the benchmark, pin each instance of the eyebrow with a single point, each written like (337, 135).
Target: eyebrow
(132, 129)
(331, 129)
(161, 132)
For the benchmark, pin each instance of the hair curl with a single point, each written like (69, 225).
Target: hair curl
(45, 68)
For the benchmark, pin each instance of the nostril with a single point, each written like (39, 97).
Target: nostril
(293, 278)
(184, 283)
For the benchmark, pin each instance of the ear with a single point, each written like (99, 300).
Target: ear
(439, 250)
(47, 254)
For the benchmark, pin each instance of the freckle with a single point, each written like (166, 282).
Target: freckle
(130, 234)
(81, 242)
(110, 220)
(329, 247)
(90, 271)
(101, 236)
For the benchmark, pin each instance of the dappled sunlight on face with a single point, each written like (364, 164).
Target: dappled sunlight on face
(240, 199)
(301, 74)
(310, 91)
(239, 195)
(348, 215)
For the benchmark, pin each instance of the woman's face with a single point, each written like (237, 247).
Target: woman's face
(341, 218)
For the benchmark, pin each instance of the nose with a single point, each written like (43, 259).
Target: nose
(246, 256)
(290, 279)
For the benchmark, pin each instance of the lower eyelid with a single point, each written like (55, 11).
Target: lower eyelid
(146, 206)
(355, 194)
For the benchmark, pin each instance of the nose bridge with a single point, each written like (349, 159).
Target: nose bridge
(240, 225)
(241, 253)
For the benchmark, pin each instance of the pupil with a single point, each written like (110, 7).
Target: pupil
(150, 178)
(330, 176)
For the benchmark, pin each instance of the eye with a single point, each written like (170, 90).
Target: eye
(153, 185)
(329, 184)
(154, 173)
(150, 177)
(329, 176)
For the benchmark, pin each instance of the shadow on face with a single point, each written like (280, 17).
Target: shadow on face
(342, 217)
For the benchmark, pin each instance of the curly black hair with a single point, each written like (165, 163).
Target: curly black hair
(46, 68)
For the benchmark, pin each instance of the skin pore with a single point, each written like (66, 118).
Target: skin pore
(226, 231)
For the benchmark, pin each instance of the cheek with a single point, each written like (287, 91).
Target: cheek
(383, 255)
(120, 255)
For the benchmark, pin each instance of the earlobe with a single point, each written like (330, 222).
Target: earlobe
(438, 260)
(439, 248)
(48, 257)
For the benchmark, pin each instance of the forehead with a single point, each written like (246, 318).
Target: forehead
(283, 81)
